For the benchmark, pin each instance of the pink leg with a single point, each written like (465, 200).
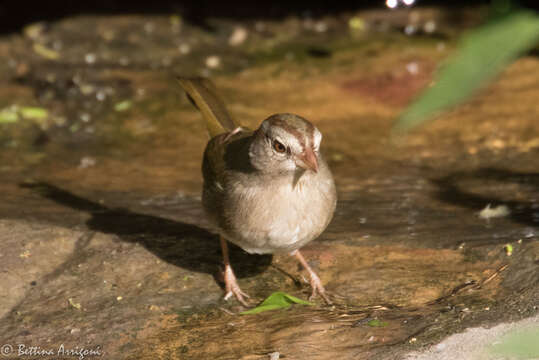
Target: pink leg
(316, 284)
(231, 284)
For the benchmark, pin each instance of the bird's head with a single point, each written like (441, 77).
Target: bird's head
(285, 143)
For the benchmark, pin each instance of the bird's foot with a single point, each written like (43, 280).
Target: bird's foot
(315, 282)
(232, 288)
(318, 288)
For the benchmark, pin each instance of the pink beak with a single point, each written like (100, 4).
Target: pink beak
(308, 160)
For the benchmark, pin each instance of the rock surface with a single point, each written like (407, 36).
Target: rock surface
(103, 242)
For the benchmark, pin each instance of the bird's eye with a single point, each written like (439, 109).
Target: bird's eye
(280, 148)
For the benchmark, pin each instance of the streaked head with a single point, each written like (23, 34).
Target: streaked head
(285, 143)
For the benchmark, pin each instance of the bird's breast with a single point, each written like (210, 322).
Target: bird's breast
(278, 216)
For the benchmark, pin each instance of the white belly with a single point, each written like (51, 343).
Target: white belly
(281, 217)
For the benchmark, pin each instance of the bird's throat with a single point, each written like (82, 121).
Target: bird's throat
(297, 177)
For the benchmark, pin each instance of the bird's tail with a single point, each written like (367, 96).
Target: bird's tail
(203, 94)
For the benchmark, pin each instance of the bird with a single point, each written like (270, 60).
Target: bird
(267, 190)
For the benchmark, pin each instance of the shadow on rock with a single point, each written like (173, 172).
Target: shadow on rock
(181, 244)
(497, 187)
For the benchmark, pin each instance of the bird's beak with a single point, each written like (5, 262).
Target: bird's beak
(308, 160)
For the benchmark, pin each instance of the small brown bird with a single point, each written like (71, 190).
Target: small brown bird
(267, 191)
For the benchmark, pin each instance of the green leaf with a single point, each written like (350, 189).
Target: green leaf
(277, 300)
(481, 55)
(123, 105)
(33, 112)
(377, 323)
(45, 52)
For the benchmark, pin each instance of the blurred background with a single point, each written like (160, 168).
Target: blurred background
(16, 14)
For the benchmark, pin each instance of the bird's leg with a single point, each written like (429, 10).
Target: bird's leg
(231, 284)
(316, 284)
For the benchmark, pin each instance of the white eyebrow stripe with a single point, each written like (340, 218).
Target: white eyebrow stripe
(291, 140)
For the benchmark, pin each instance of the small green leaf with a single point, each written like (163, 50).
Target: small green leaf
(482, 54)
(45, 52)
(33, 112)
(277, 300)
(377, 323)
(508, 249)
(74, 304)
(123, 105)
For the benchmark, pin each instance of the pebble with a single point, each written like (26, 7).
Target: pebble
(410, 29)
(429, 27)
(412, 68)
(100, 95)
(320, 27)
(213, 61)
(494, 212)
(90, 58)
(184, 49)
(87, 89)
(124, 61)
(238, 36)
(86, 162)
(85, 117)
(149, 27)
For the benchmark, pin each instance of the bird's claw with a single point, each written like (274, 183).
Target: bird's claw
(232, 288)
(315, 282)
(318, 289)
(238, 294)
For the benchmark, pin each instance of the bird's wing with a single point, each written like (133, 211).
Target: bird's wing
(203, 94)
